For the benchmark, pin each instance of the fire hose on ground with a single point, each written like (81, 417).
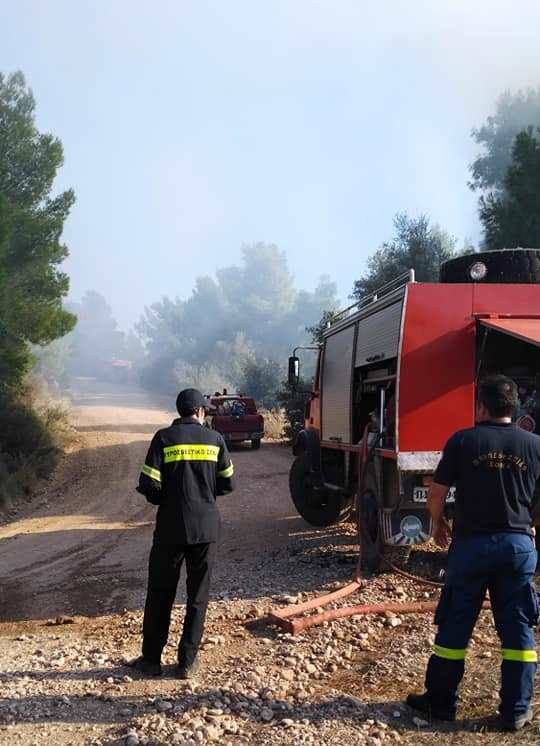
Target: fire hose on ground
(291, 619)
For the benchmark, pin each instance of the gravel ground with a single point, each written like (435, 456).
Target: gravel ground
(63, 673)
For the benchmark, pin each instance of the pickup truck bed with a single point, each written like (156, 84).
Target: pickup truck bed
(237, 419)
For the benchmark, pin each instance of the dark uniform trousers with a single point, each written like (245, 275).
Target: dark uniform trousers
(504, 565)
(163, 574)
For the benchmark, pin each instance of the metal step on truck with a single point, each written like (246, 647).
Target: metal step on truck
(396, 375)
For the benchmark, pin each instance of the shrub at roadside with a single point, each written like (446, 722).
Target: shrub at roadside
(274, 423)
(294, 406)
(31, 439)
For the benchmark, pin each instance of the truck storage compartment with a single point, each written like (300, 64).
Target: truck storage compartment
(512, 346)
(337, 386)
(378, 335)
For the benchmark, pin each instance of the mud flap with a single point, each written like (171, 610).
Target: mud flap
(405, 527)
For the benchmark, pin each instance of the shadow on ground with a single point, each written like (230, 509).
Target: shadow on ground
(112, 709)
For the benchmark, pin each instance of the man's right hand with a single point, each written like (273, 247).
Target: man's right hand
(442, 533)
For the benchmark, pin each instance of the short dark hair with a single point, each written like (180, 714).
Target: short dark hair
(187, 411)
(499, 395)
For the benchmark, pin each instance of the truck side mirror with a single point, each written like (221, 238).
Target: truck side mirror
(294, 371)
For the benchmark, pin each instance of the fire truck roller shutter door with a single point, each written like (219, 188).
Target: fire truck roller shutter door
(378, 335)
(336, 384)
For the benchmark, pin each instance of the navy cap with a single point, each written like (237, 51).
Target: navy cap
(190, 399)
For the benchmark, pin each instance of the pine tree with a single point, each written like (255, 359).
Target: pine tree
(32, 285)
(513, 219)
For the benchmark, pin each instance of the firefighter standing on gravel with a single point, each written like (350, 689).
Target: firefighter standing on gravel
(187, 466)
(494, 467)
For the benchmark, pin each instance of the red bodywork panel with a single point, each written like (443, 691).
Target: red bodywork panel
(438, 355)
(437, 366)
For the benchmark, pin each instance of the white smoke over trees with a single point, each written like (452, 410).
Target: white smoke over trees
(250, 315)
(515, 112)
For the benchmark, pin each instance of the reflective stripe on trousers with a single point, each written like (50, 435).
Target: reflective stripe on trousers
(504, 564)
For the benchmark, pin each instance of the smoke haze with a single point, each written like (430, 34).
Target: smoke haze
(192, 128)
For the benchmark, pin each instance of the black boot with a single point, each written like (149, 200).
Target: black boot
(188, 670)
(146, 667)
(518, 722)
(423, 704)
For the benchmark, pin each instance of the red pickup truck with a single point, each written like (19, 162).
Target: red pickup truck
(237, 419)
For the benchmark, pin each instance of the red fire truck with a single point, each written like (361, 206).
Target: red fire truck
(396, 376)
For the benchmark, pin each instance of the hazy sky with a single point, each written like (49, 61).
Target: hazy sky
(190, 128)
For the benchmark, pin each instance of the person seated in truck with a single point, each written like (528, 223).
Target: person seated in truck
(238, 408)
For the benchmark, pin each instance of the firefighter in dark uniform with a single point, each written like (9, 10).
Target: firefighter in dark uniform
(187, 466)
(494, 467)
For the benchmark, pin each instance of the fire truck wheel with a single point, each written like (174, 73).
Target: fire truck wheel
(319, 507)
(369, 532)
(256, 443)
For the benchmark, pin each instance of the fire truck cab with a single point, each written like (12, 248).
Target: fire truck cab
(396, 377)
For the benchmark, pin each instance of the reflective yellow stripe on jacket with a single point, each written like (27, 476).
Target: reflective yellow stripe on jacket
(151, 472)
(228, 472)
(190, 452)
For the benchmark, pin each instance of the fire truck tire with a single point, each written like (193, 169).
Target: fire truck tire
(318, 507)
(256, 444)
(509, 265)
(368, 522)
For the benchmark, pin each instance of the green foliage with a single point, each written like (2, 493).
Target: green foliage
(293, 401)
(31, 222)
(317, 330)
(514, 113)
(31, 438)
(29, 160)
(51, 362)
(261, 379)
(32, 286)
(416, 245)
(513, 219)
(247, 313)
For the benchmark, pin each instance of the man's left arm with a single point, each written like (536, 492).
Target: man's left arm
(225, 471)
(150, 476)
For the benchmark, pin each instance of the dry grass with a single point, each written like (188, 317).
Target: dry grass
(274, 423)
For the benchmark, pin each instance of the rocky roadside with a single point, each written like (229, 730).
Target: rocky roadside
(66, 683)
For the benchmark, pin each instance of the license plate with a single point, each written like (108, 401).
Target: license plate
(238, 436)
(420, 495)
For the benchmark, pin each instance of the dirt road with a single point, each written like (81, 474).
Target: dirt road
(72, 583)
(84, 550)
